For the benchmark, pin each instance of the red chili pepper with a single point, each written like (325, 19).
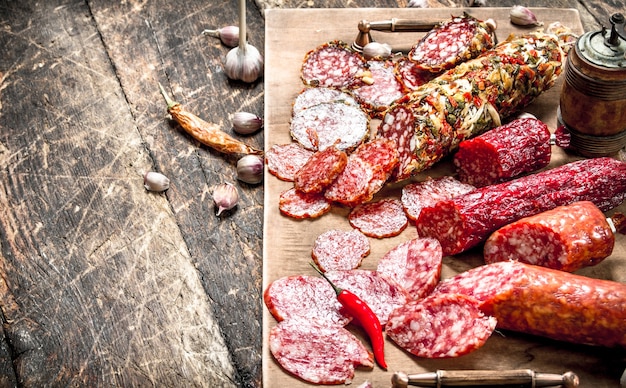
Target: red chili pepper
(360, 311)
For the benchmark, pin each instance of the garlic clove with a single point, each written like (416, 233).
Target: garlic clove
(246, 123)
(225, 196)
(155, 181)
(523, 16)
(250, 169)
(244, 63)
(376, 50)
(229, 35)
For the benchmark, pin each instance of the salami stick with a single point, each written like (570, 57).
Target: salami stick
(465, 221)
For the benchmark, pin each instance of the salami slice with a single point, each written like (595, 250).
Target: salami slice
(467, 220)
(332, 64)
(380, 88)
(295, 204)
(284, 160)
(521, 146)
(440, 326)
(415, 265)
(324, 125)
(566, 238)
(378, 291)
(410, 75)
(418, 195)
(318, 353)
(340, 250)
(310, 97)
(452, 42)
(384, 218)
(320, 170)
(307, 298)
(547, 302)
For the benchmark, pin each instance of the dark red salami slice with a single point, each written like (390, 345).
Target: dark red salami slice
(318, 353)
(410, 75)
(384, 218)
(310, 97)
(415, 265)
(547, 302)
(284, 160)
(378, 291)
(295, 204)
(521, 146)
(306, 298)
(340, 250)
(418, 195)
(320, 170)
(467, 220)
(332, 64)
(324, 125)
(566, 238)
(380, 88)
(440, 326)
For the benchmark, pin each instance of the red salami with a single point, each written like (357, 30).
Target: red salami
(378, 291)
(547, 302)
(411, 75)
(566, 238)
(505, 152)
(310, 97)
(384, 218)
(467, 220)
(418, 195)
(452, 42)
(320, 170)
(332, 64)
(340, 250)
(380, 88)
(306, 298)
(415, 265)
(318, 353)
(284, 160)
(295, 204)
(440, 326)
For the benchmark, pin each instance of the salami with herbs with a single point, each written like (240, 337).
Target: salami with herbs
(320, 170)
(566, 238)
(284, 160)
(337, 250)
(521, 146)
(467, 220)
(332, 65)
(418, 195)
(384, 218)
(295, 204)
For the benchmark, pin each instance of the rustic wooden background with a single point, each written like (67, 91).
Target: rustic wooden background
(101, 282)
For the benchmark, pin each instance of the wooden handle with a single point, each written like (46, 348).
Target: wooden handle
(466, 378)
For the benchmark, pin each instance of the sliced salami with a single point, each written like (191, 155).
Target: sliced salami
(384, 218)
(338, 250)
(332, 64)
(440, 326)
(296, 204)
(324, 125)
(410, 75)
(418, 195)
(415, 265)
(310, 97)
(378, 291)
(566, 238)
(302, 297)
(284, 160)
(320, 170)
(380, 88)
(521, 146)
(318, 353)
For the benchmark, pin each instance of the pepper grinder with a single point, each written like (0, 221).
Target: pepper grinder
(592, 104)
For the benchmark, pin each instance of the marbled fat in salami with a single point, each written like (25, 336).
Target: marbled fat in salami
(521, 146)
(380, 88)
(308, 298)
(320, 170)
(336, 250)
(310, 97)
(467, 220)
(440, 326)
(284, 160)
(295, 204)
(332, 64)
(566, 238)
(318, 353)
(415, 265)
(384, 218)
(418, 195)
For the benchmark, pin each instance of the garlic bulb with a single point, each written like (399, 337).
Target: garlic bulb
(244, 62)
(250, 169)
(246, 123)
(155, 181)
(225, 196)
(376, 50)
(229, 35)
(523, 16)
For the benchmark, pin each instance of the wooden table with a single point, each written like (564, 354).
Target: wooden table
(101, 282)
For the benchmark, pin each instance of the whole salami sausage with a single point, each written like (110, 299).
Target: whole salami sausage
(465, 221)
(566, 238)
(521, 146)
(546, 302)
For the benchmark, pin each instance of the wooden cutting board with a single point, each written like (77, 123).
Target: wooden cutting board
(290, 34)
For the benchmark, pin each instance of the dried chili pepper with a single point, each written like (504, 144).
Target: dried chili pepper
(206, 133)
(360, 311)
